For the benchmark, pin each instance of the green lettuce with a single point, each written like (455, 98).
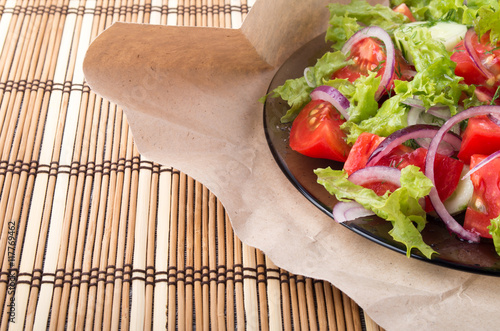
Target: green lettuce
(345, 20)
(447, 10)
(296, 91)
(400, 207)
(495, 233)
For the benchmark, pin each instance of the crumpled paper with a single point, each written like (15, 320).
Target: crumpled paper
(190, 96)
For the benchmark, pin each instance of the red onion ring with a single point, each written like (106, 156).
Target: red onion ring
(390, 61)
(410, 132)
(349, 211)
(333, 96)
(376, 174)
(481, 164)
(439, 207)
(309, 83)
(494, 118)
(475, 57)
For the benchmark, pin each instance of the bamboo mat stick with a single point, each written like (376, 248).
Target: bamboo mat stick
(296, 314)
(172, 270)
(302, 302)
(250, 287)
(41, 184)
(262, 290)
(320, 305)
(238, 284)
(181, 240)
(198, 259)
(311, 314)
(221, 266)
(171, 17)
(163, 237)
(286, 301)
(150, 249)
(189, 249)
(230, 294)
(330, 306)
(274, 296)
(339, 308)
(205, 275)
(212, 262)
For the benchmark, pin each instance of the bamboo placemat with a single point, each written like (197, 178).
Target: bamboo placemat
(94, 236)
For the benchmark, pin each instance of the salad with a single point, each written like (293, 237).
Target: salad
(408, 99)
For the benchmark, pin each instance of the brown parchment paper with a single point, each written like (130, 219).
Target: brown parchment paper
(190, 96)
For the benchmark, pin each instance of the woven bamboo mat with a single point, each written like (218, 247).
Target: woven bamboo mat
(94, 236)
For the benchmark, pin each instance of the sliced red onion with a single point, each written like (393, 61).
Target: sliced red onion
(376, 174)
(473, 55)
(438, 205)
(410, 132)
(481, 164)
(349, 211)
(333, 96)
(308, 82)
(494, 118)
(390, 61)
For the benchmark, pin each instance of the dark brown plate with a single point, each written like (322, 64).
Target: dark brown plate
(453, 253)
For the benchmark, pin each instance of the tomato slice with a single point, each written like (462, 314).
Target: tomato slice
(447, 170)
(403, 9)
(485, 202)
(316, 132)
(481, 136)
(368, 55)
(489, 56)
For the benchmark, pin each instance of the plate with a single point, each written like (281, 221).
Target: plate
(453, 253)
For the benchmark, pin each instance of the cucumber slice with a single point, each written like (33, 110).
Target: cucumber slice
(458, 201)
(449, 33)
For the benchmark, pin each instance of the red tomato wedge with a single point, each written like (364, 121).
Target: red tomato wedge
(489, 55)
(403, 9)
(481, 136)
(447, 172)
(368, 55)
(316, 132)
(485, 202)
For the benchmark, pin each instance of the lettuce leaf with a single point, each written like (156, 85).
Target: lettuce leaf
(495, 233)
(400, 207)
(488, 20)
(345, 20)
(296, 91)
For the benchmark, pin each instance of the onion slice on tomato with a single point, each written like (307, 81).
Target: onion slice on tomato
(348, 211)
(410, 132)
(376, 174)
(481, 164)
(390, 61)
(475, 58)
(438, 205)
(333, 96)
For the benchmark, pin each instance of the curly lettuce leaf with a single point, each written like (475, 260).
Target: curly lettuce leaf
(345, 19)
(489, 20)
(400, 207)
(495, 233)
(447, 10)
(296, 91)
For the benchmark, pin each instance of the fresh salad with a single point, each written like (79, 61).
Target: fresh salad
(408, 99)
